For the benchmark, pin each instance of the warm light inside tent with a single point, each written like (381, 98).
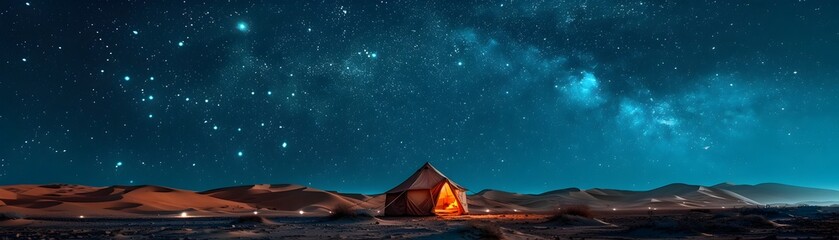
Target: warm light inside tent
(447, 203)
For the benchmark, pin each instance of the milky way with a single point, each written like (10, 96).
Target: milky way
(524, 96)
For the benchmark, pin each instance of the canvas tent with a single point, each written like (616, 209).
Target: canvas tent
(427, 192)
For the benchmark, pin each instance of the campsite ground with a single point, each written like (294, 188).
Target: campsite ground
(800, 222)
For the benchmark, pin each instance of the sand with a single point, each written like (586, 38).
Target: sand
(295, 211)
(712, 224)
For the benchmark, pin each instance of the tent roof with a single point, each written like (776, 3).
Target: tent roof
(426, 177)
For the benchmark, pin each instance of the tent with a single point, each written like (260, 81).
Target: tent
(427, 192)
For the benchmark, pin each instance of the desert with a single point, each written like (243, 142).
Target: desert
(267, 211)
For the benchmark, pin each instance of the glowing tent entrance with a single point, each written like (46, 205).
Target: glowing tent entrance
(426, 192)
(447, 203)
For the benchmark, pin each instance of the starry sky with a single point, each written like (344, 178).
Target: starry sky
(524, 96)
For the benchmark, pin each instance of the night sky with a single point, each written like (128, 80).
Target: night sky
(524, 96)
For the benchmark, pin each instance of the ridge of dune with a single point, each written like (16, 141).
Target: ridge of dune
(251, 189)
(493, 194)
(155, 198)
(289, 197)
(560, 191)
(740, 197)
(772, 193)
(488, 190)
(723, 185)
(708, 192)
(609, 195)
(6, 194)
(549, 201)
(51, 189)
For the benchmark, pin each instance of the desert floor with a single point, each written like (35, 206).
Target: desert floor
(799, 222)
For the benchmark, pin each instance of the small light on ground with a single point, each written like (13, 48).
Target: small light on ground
(255, 212)
(81, 216)
(614, 209)
(487, 210)
(183, 214)
(301, 212)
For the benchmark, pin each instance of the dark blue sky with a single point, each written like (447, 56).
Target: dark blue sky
(524, 96)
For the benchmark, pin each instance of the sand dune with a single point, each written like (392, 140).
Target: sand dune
(673, 196)
(63, 200)
(115, 201)
(287, 197)
(6, 194)
(774, 193)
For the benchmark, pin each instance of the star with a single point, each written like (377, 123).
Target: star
(240, 153)
(242, 26)
(181, 44)
(126, 78)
